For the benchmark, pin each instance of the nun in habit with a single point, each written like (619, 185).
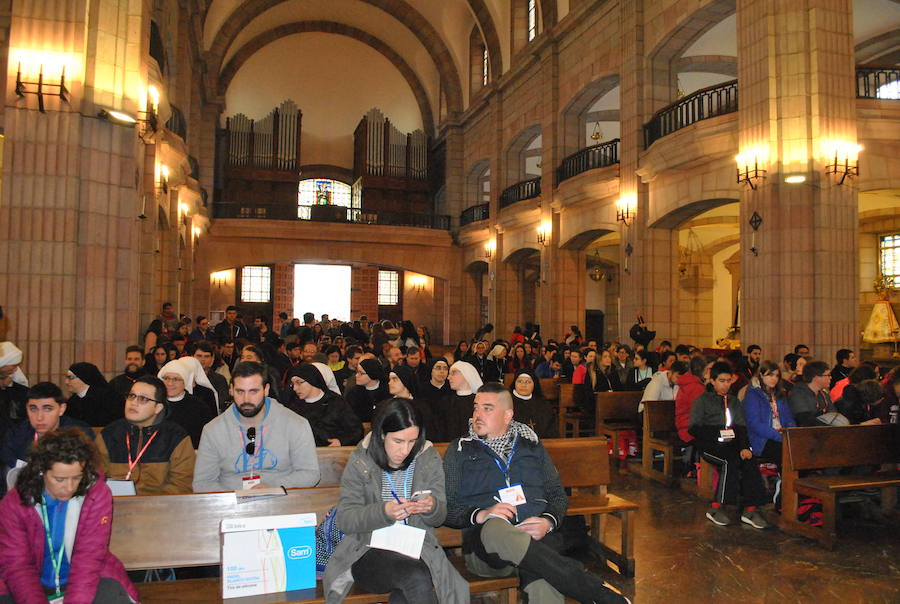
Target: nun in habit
(456, 408)
(319, 400)
(402, 383)
(370, 389)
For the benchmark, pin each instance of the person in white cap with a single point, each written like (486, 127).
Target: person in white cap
(186, 409)
(13, 384)
(456, 407)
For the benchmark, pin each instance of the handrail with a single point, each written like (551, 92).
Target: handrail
(527, 189)
(474, 214)
(878, 82)
(699, 105)
(589, 158)
(330, 213)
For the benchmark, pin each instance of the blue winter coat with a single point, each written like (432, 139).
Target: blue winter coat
(758, 414)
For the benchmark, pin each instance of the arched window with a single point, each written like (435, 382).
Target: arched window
(485, 66)
(532, 19)
(323, 192)
(479, 74)
(531, 157)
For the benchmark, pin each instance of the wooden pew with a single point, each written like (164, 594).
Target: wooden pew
(616, 411)
(161, 531)
(568, 411)
(582, 463)
(549, 389)
(835, 447)
(508, 379)
(659, 435)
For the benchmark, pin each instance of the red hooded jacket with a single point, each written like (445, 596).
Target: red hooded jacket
(689, 388)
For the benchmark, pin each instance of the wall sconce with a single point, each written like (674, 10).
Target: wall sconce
(197, 232)
(543, 233)
(183, 209)
(120, 118)
(844, 159)
(748, 162)
(755, 222)
(626, 209)
(489, 248)
(219, 278)
(22, 90)
(164, 178)
(418, 282)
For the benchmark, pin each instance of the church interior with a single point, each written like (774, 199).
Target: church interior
(727, 170)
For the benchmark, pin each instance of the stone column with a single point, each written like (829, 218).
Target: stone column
(796, 73)
(69, 236)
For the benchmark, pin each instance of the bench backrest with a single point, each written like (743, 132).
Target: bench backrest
(549, 389)
(659, 416)
(617, 406)
(839, 446)
(162, 531)
(566, 396)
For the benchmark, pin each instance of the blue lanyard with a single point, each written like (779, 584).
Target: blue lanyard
(58, 558)
(504, 469)
(405, 488)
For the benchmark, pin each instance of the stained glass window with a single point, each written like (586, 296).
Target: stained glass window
(388, 288)
(256, 284)
(889, 249)
(322, 191)
(484, 66)
(532, 19)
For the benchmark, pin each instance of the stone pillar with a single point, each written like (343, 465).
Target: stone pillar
(69, 236)
(566, 286)
(796, 73)
(506, 291)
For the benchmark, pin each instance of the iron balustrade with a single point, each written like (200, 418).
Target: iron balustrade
(331, 213)
(527, 189)
(697, 106)
(474, 214)
(589, 158)
(874, 82)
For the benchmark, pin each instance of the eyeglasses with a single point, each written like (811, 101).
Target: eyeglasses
(71, 377)
(131, 396)
(172, 378)
(251, 437)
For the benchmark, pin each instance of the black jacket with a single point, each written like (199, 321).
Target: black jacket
(538, 414)
(708, 417)
(363, 401)
(225, 332)
(122, 383)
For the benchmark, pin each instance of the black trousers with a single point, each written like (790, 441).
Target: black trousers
(406, 579)
(739, 479)
(772, 453)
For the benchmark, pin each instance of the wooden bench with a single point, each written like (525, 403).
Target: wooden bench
(549, 389)
(568, 411)
(616, 411)
(161, 531)
(659, 435)
(835, 447)
(583, 465)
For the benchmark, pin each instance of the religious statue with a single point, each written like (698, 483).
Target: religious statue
(882, 326)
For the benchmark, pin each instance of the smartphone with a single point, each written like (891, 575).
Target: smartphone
(418, 495)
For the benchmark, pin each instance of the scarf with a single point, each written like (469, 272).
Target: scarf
(502, 445)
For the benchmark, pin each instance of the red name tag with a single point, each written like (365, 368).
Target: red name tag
(251, 481)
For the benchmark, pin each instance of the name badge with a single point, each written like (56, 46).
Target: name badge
(726, 435)
(251, 481)
(513, 495)
(121, 488)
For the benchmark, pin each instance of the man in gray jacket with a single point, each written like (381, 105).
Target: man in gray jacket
(257, 443)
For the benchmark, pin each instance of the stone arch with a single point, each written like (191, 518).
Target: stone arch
(581, 240)
(575, 109)
(473, 181)
(683, 213)
(485, 23)
(520, 255)
(330, 27)
(418, 25)
(514, 168)
(663, 58)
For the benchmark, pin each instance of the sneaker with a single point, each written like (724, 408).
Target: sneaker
(718, 516)
(755, 519)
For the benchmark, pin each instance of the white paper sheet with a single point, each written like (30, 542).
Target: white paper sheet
(400, 538)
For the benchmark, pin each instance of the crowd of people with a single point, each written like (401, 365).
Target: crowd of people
(232, 407)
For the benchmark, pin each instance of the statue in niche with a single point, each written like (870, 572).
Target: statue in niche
(882, 326)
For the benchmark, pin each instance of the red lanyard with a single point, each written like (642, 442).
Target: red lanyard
(132, 464)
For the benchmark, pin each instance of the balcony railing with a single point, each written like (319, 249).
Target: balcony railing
(331, 213)
(474, 214)
(873, 82)
(527, 189)
(700, 105)
(589, 158)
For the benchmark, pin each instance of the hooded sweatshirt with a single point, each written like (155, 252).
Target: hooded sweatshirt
(285, 452)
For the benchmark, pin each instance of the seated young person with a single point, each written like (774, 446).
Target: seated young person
(45, 407)
(768, 414)
(144, 447)
(720, 432)
(55, 528)
(392, 463)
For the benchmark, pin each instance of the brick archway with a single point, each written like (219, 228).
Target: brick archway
(417, 24)
(330, 27)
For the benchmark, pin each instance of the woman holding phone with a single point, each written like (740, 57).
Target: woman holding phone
(394, 481)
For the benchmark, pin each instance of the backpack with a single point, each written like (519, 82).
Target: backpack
(809, 511)
(327, 538)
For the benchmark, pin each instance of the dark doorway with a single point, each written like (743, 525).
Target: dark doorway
(593, 325)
